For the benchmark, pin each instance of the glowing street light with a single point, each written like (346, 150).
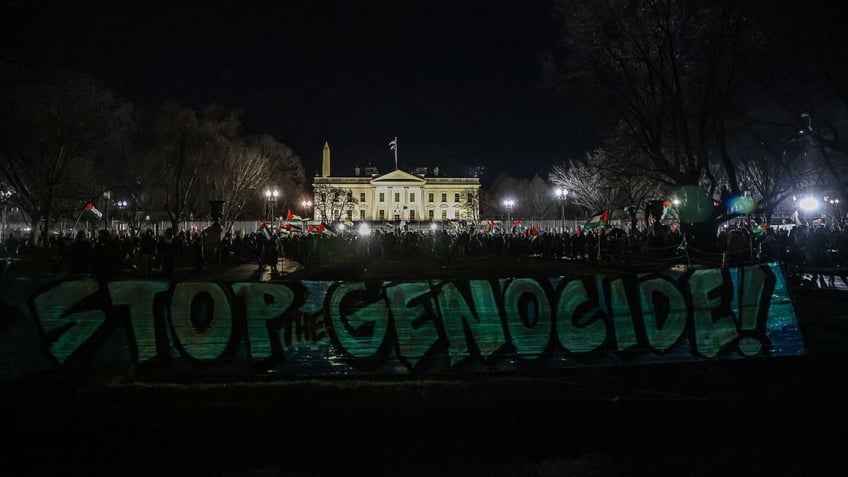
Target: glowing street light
(509, 204)
(562, 194)
(5, 196)
(306, 205)
(364, 229)
(122, 204)
(809, 204)
(270, 198)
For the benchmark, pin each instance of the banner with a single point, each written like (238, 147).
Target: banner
(324, 328)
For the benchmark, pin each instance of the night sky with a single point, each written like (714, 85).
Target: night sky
(459, 83)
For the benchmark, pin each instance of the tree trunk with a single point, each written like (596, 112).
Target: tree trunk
(35, 230)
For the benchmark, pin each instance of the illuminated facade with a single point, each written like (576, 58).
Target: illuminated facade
(397, 195)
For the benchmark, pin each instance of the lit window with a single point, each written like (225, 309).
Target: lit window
(397, 196)
(412, 196)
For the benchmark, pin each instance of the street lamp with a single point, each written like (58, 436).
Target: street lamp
(270, 198)
(122, 204)
(306, 205)
(5, 195)
(809, 204)
(562, 194)
(509, 204)
(107, 196)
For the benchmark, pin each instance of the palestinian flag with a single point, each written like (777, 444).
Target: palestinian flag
(323, 230)
(347, 222)
(598, 221)
(91, 208)
(666, 209)
(293, 218)
(494, 228)
(387, 226)
(263, 227)
(451, 224)
(517, 226)
(310, 229)
(760, 229)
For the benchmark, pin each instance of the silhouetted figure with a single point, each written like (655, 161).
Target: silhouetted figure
(167, 251)
(79, 255)
(106, 258)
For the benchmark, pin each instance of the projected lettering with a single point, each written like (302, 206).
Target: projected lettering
(319, 328)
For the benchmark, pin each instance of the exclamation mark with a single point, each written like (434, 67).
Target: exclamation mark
(753, 282)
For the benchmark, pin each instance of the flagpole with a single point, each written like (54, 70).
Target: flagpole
(396, 148)
(78, 219)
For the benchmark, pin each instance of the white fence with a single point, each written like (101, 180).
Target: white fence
(248, 226)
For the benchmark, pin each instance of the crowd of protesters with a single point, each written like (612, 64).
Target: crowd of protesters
(106, 255)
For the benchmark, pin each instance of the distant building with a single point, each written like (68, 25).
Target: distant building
(397, 195)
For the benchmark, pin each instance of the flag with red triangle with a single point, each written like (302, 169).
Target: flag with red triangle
(599, 220)
(91, 208)
(290, 217)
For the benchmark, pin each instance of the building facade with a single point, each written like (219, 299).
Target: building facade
(397, 195)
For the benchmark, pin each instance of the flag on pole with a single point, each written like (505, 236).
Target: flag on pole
(263, 227)
(91, 208)
(494, 228)
(387, 226)
(599, 220)
(393, 144)
(666, 209)
(293, 218)
(347, 222)
(323, 230)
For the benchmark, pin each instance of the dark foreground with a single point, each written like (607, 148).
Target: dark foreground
(783, 416)
(775, 417)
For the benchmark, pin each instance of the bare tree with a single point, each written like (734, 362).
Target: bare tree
(538, 199)
(50, 134)
(332, 202)
(236, 172)
(587, 186)
(672, 73)
(184, 140)
(471, 207)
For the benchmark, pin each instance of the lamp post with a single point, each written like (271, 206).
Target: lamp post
(122, 204)
(270, 198)
(562, 195)
(306, 205)
(5, 195)
(107, 196)
(509, 204)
